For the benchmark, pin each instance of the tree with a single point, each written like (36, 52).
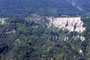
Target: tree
(53, 58)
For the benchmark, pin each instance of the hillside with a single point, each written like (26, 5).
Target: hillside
(22, 8)
(44, 30)
(31, 39)
(82, 5)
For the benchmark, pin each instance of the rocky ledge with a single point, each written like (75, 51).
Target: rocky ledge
(69, 23)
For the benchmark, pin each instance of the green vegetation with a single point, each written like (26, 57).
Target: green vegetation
(27, 39)
(26, 35)
(24, 8)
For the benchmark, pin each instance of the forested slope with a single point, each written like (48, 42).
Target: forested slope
(23, 8)
(31, 39)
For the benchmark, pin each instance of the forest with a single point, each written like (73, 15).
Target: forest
(26, 34)
(31, 39)
(24, 8)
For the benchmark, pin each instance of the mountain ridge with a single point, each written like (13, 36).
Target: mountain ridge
(23, 8)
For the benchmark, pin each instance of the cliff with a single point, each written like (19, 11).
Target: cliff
(69, 23)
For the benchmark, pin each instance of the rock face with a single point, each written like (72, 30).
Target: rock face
(70, 23)
(2, 20)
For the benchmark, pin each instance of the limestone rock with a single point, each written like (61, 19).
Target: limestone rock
(2, 20)
(70, 23)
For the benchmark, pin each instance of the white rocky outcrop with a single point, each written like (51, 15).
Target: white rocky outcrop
(80, 51)
(2, 20)
(82, 38)
(70, 23)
